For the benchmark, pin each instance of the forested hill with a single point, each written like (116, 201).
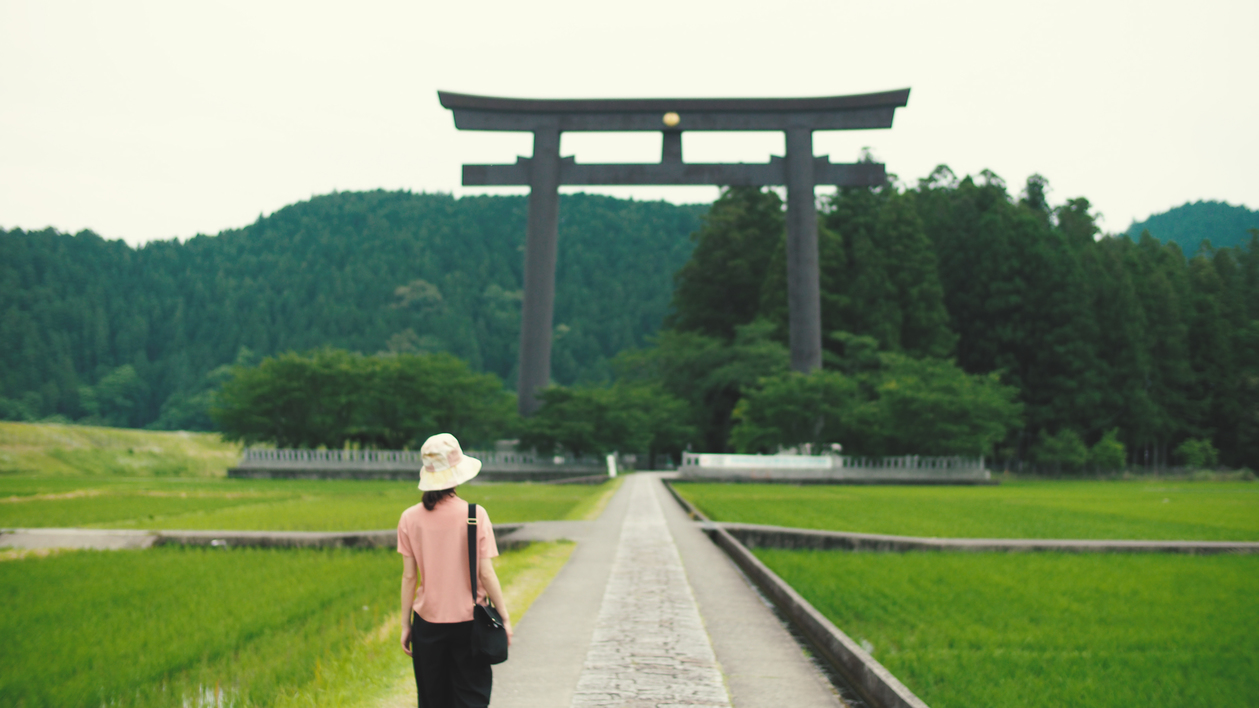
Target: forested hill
(1188, 225)
(129, 336)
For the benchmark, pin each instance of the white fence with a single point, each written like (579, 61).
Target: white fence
(400, 460)
(832, 468)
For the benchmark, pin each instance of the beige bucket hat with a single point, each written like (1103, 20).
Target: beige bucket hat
(445, 465)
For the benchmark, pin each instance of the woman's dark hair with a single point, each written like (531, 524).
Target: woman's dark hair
(431, 498)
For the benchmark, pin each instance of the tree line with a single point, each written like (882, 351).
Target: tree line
(959, 319)
(97, 331)
(964, 319)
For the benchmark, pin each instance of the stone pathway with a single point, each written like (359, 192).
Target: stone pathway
(649, 647)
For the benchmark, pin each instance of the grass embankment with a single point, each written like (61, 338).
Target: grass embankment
(1206, 511)
(55, 449)
(176, 626)
(1049, 630)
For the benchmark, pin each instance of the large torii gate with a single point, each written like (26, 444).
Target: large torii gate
(543, 173)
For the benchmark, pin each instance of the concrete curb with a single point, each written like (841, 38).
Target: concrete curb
(738, 476)
(93, 539)
(759, 536)
(278, 539)
(119, 539)
(385, 538)
(876, 684)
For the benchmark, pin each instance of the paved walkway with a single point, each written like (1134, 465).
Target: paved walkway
(649, 646)
(649, 613)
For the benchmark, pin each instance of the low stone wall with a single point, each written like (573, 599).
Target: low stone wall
(542, 474)
(278, 539)
(385, 538)
(758, 536)
(403, 465)
(840, 476)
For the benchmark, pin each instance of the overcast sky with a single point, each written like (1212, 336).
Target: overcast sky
(153, 120)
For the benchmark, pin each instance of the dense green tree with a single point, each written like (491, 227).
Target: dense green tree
(708, 373)
(1210, 353)
(931, 407)
(333, 398)
(878, 274)
(792, 410)
(115, 400)
(1196, 453)
(911, 268)
(1109, 453)
(719, 288)
(897, 406)
(293, 400)
(597, 420)
(1126, 403)
(1018, 295)
(1063, 451)
(1162, 286)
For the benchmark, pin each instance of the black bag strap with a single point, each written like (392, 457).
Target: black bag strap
(472, 549)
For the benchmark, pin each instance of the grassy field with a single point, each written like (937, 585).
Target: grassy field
(180, 626)
(1214, 511)
(198, 627)
(68, 475)
(53, 449)
(105, 502)
(1033, 630)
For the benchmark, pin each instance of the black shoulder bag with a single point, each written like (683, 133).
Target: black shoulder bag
(489, 637)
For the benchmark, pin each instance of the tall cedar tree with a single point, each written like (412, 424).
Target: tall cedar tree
(719, 288)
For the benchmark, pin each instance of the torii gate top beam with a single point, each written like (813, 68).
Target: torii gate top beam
(857, 112)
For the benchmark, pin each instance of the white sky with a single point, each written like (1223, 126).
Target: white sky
(147, 120)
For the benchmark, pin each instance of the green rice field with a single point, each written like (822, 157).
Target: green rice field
(1162, 510)
(213, 627)
(1044, 629)
(240, 627)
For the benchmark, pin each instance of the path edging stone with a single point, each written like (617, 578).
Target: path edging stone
(139, 538)
(876, 684)
(763, 536)
(385, 538)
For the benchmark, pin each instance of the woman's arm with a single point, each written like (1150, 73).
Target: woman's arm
(410, 575)
(489, 580)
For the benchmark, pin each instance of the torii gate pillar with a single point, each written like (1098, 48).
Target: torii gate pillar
(801, 171)
(538, 308)
(804, 300)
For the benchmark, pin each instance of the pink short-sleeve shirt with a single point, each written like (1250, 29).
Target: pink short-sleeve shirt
(438, 541)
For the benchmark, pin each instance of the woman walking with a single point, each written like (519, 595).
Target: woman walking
(437, 613)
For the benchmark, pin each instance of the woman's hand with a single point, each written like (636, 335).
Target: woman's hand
(406, 639)
(507, 626)
(410, 576)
